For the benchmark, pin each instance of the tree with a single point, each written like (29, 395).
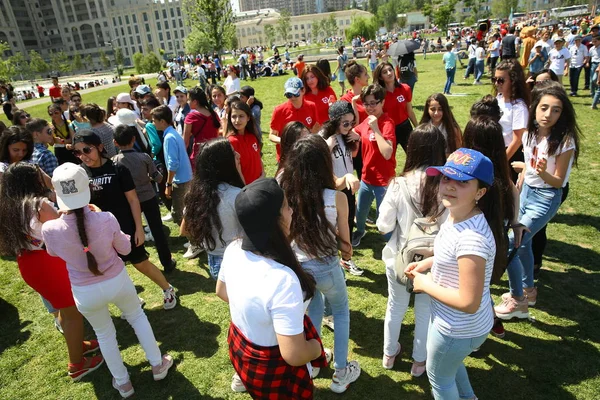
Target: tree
(354, 5)
(329, 26)
(198, 42)
(402, 22)
(37, 63)
(362, 27)
(284, 24)
(77, 63)
(441, 13)
(119, 59)
(104, 60)
(373, 6)
(138, 59)
(475, 8)
(316, 29)
(151, 63)
(88, 62)
(270, 34)
(501, 8)
(59, 61)
(214, 18)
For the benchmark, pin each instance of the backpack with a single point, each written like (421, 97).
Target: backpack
(419, 241)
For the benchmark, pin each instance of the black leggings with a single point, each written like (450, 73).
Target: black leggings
(351, 208)
(518, 156)
(403, 131)
(151, 210)
(538, 242)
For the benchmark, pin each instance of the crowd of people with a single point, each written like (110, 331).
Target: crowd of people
(469, 205)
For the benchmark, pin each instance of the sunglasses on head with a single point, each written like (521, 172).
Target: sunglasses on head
(86, 150)
(499, 81)
(290, 95)
(346, 124)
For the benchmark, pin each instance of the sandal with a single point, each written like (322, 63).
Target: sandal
(87, 365)
(90, 346)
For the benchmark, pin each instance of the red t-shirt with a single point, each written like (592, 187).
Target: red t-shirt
(377, 171)
(299, 67)
(203, 129)
(362, 113)
(54, 91)
(247, 147)
(395, 103)
(286, 112)
(321, 100)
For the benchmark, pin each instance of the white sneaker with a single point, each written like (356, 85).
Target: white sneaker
(147, 229)
(236, 384)
(328, 322)
(193, 252)
(328, 357)
(148, 237)
(340, 384)
(167, 218)
(349, 266)
(187, 245)
(170, 300)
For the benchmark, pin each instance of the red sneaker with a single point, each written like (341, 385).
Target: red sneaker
(87, 365)
(90, 346)
(498, 328)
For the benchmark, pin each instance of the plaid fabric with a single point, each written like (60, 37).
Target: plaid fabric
(265, 373)
(44, 158)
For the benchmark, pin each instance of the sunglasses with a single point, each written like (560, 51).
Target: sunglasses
(373, 104)
(86, 150)
(290, 95)
(499, 81)
(24, 116)
(347, 124)
(54, 113)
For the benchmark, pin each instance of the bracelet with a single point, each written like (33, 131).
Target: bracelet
(168, 184)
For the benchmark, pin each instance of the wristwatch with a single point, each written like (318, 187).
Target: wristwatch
(168, 184)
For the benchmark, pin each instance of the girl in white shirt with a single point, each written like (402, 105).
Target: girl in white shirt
(551, 147)
(426, 147)
(438, 112)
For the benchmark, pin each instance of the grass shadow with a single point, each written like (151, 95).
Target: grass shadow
(12, 332)
(577, 220)
(374, 283)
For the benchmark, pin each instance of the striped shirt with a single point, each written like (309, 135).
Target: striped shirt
(470, 237)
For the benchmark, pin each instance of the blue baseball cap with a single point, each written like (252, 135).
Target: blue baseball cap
(293, 86)
(464, 165)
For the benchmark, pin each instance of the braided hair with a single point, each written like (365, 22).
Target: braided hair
(91, 260)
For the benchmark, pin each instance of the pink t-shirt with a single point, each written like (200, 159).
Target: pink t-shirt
(105, 240)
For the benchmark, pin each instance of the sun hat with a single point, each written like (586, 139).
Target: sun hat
(339, 109)
(125, 116)
(124, 98)
(293, 86)
(464, 165)
(258, 207)
(72, 186)
(143, 90)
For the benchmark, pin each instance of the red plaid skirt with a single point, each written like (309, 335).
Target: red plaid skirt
(265, 373)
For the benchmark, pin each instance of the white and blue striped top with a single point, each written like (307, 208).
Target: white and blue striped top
(470, 237)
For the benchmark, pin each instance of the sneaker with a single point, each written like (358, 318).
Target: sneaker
(160, 371)
(388, 361)
(370, 221)
(328, 357)
(170, 298)
(58, 326)
(531, 294)
(498, 328)
(236, 384)
(167, 218)
(193, 252)
(87, 365)
(148, 237)
(356, 237)
(511, 307)
(339, 384)
(349, 266)
(187, 245)
(147, 229)
(90, 347)
(328, 322)
(171, 267)
(418, 369)
(125, 390)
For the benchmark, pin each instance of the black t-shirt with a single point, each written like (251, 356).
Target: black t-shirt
(108, 185)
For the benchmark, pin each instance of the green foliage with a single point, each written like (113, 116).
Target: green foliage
(119, 58)
(88, 62)
(38, 64)
(387, 13)
(501, 8)
(104, 59)
(329, 26)
(198, 42)
(59, 61)
(77, 63)
(476, 12)
(361, 26)
(440, 13)
(138, 58)
(214, 18)
(284, 25)
(373, 6)
(271, 34)
(354, 5)
(151, 63)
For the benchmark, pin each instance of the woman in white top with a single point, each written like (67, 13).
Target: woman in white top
(320, 219)
(479, 62)
(232, 82)
(411, 190)
(551, 148)
(461, 269)
(163, 92)
(513, 98)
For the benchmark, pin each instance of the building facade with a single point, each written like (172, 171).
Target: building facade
(296, 7)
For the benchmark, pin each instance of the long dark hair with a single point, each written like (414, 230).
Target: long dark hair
(489, 204)
(426, 147)
(12, 135)
(519, 88)
(566, 127)
(309, 165)
(447, 119)
(215, 164)
(22, 192)
(330, 128)
(91, 260)
(197, 94)
(377, 78)
(250, 126)
(487, 106)
(290, 134)
(322, 79)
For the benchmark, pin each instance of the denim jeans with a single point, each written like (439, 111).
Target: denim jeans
(397, 304)
(449, 79)
(331, 284)
(574, 78)
(214, 265)
(470, 67)
(373, 65)
(92, 301)
(48, 305)
(593, 78)
(537, 207)
(445, 368)
(366, 194)
(479, 68)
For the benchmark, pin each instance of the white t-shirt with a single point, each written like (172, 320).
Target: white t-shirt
(535, 151)
(495, 49)
(265, 297)
(472, 50)
(558, 58)
(578, 54)
(514, 117)
(480, 54)
(546, 45)
(341, 156)
(172, 103)
(231, 85)
(471, 237)
(231, 226)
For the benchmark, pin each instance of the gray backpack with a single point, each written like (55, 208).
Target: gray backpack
(419, 241)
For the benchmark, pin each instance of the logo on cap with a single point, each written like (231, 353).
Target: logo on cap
(460, 158)
(68, 187)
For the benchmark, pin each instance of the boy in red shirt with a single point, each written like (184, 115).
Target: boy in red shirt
(295, 109)
(55, 89)
(378, 139)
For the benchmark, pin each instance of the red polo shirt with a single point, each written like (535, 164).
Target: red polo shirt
(247, 147)
(362, 113)
(395, 103)
(286, 112)
(377, 171)
(322, 100)
(54, 91)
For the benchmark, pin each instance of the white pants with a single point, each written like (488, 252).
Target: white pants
(398, 299)
(92, 301)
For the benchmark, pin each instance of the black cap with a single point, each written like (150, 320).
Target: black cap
(258, 208)
(340, 108)
(87, 136)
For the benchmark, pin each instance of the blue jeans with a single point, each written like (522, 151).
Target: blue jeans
(449, 79)
(593, 78)
(366, 194)
(373, 65)
(479, 68)
(214, 265)
(48, 305)
(537, 208)
(470, 67)
(445, 368)
(331, 285)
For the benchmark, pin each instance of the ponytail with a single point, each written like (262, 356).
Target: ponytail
(91, 260)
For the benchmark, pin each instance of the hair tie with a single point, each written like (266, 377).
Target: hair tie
(86, 249)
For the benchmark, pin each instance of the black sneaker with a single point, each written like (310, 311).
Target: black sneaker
(171, 267)
(356, 237)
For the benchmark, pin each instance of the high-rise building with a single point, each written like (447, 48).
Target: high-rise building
(296, 7)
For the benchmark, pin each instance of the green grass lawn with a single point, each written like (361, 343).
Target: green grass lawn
(554, 356)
